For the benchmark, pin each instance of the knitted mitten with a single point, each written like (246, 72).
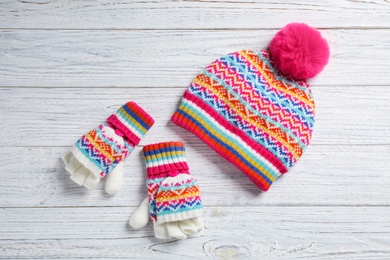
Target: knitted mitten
(174, 198)
(100, 152)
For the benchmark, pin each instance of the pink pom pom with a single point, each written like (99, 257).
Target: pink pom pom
(299, 50)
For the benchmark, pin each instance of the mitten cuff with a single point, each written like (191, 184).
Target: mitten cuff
(131, 121)
(165, 159)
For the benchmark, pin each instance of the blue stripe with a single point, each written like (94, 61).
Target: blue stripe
(98, 161)
(308, 114)
(164, 150)
(183, 208)
(179, 187)
(129, 146)
(226, 146)
(106, 140)
(276, 73)
(272, 148)
(137, 128)
(85, 151)
(254, 82)
(285, 81)
(150, 159)
(282, 79)
(248, 106)
(137, 118)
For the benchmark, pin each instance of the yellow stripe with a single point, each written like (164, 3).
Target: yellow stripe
(165, 155)
(96, 145)
(274, 82)
(232, 106)
(217, 134)
(178, 197)
(130, 118)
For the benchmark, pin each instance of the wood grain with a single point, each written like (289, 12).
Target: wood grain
(168, 58)
(66, 65)
(160, 14)
(36, 178)
(259, 232)
(59, 116)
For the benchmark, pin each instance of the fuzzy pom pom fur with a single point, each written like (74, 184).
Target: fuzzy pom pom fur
(299, 50)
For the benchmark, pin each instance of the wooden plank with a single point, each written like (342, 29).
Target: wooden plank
(259, 232)
(59, 116)
(192, 14)
(63, 71)
(166, 58)
(326, 175)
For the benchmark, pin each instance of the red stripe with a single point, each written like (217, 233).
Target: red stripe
(141, 113)
(225, 153)
(165, 169)
(236, 131)
(269, 108)
(227, 107)
(115, 123)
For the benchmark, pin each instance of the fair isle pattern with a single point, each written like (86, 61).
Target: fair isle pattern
(264, 138)
(269, 110)
(131, 121)
(166, 156)
(173, 198)
(259, 165)
(173, 193)
(99, 152)
(255, 118)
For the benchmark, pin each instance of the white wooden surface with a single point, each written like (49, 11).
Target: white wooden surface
(66, 65)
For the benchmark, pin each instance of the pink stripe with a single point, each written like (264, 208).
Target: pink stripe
(167, 170)
(227, 154)
(114, 122)
(251, 126)
(258, 102)
(236, 131)
(93, 148)
(279, 92)
(285, 84)
(141, 113)
(169, 202)
(267, 107)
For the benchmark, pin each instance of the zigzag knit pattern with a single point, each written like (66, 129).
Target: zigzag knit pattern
(100, 152)
(256, 118)
(173, 193)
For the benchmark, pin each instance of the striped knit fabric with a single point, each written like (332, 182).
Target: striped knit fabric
(132, 122)
(173, 193)
(254, 117)
(102, 148)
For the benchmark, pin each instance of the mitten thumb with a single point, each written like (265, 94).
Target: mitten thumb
(114, 179)
(140, 217)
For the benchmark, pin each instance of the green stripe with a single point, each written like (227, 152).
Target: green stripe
(178, 187)
(265, 60)
(258, 113)
(106, 140)
(244, 150)
(304, 115)
(140, 131)
(149, 159)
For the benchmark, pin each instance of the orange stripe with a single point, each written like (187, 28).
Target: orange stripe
(225, 153)
(176, 195)
(289, 142)
(102, 146)
(274, 82)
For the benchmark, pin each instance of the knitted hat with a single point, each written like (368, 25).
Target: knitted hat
(254, 108)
